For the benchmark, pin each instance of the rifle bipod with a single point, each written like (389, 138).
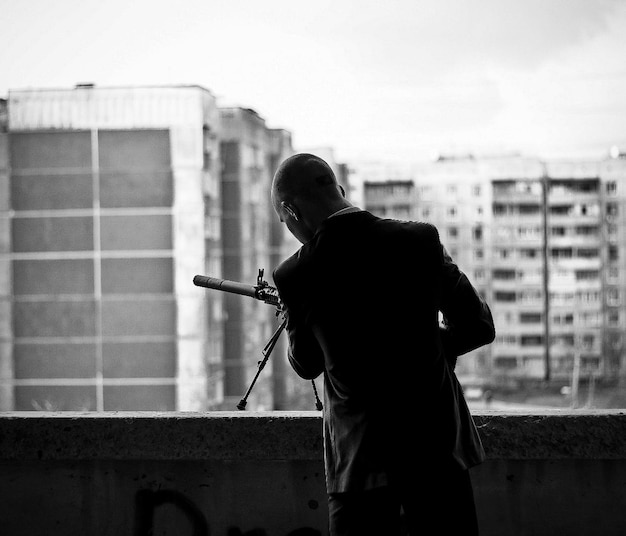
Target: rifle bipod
(267, 350)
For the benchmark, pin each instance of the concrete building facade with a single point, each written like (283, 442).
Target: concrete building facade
(111, 200)
(455, 201)
(253, 238)
(543, 242)
(111, 209)
(252, 241)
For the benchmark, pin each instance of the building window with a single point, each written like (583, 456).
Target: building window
(560, 210)
(587, 341)
(501, 209)
(504, 253)
(561, 253)
(611, 209)
(531, 340)
(530, 318)
(504, 296)
(530, 296)
(589, 296)
(590, 363)
(586, 230)
(563, 340)
(562, 298)
(504, 275)
(528, 209)
(611, 187)
(613, 297)
(477, 233)
(528, 253)
(505, 362)
(506, 340)
(563, 319)
(584, 209)
(478, 254)
(590, 319)
(529, 233)
(453, 232)
(587, 275)
(587, 253)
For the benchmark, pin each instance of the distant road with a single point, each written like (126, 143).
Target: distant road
(502, 406)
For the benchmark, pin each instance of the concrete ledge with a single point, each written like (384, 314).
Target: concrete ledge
(545, 435)
(553, 434)
(161, 436)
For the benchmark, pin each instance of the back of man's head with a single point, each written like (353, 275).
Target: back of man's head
(305, 177)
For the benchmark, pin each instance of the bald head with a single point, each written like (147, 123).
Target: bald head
(305, 192)
(305, 176)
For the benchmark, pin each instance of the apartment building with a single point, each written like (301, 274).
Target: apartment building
(543, 243)
(252, 239)
(6, 365)
(111, 208)
(556, 235)
(455, 200)
(613, 273)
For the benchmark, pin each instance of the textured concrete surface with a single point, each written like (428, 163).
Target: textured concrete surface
(553, 434)
(244, 474)
(161, 436)
(284, 435)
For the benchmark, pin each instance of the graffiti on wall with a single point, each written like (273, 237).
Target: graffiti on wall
(147, 501)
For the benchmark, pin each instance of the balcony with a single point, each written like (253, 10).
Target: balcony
(237, 473)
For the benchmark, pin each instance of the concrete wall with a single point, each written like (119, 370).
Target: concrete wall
(230, 474)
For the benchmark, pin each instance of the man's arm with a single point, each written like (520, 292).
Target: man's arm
(468, 323)
(304, 352)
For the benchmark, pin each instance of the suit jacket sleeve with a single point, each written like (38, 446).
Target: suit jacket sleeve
(468, 322)
(304, 352)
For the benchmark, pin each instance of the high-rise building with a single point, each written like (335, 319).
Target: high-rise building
(543, 242)
(6, 364)
(112, 207)
(250, 153)
(453, 199)
(613, 210)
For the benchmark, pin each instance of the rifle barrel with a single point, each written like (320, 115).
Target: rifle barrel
(225, 285)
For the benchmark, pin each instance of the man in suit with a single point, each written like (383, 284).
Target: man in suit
(363, 297)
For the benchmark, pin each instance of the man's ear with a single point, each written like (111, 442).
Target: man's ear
(289, 210)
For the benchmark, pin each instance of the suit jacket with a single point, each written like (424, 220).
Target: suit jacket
(363, 299)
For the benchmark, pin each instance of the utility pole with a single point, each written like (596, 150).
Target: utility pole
(545, 187)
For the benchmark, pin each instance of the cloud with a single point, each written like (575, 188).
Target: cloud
(409, 41)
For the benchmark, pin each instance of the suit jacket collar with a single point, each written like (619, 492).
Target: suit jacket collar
(345, 220)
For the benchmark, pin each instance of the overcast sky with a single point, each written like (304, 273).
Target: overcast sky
(393, 80)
